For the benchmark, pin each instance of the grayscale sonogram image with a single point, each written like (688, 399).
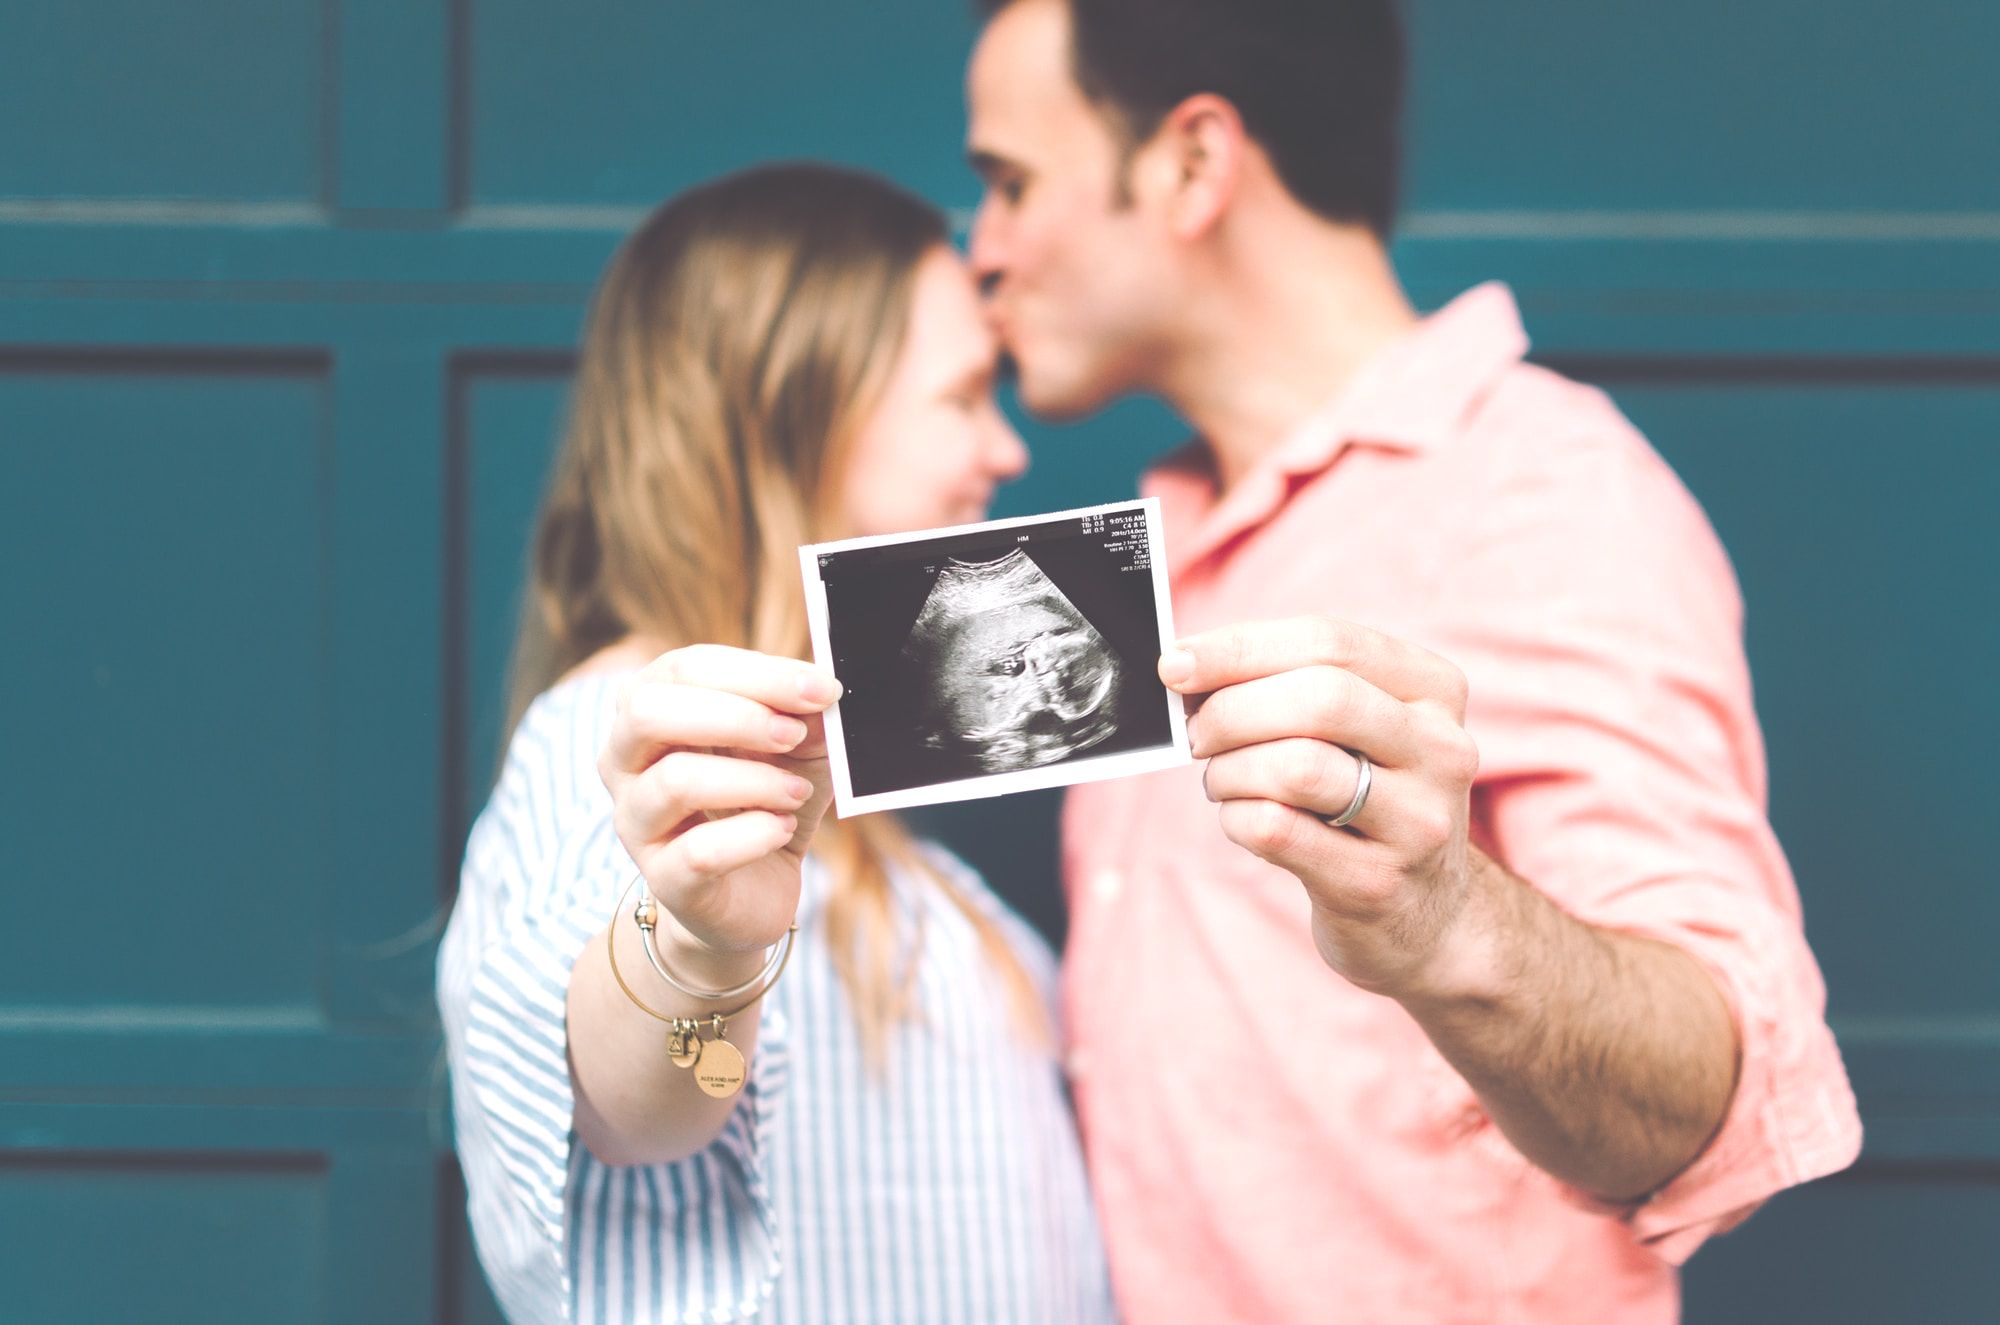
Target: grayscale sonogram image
(1014, 677)
(1013, 649)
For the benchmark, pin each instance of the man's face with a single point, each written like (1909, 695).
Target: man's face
(1077, 280)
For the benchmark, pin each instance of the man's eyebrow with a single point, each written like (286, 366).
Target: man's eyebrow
(986, 164)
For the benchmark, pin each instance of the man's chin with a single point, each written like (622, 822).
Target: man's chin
(1057, 401)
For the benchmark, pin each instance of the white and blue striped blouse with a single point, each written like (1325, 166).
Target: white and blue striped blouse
(947, 1189)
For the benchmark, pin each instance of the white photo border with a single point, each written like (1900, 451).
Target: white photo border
(846, 804)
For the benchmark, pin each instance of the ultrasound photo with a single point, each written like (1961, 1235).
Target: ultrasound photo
(992, 658)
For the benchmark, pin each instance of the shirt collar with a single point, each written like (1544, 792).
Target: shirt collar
(1409, 397)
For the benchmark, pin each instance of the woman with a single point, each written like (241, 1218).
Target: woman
(785, 355)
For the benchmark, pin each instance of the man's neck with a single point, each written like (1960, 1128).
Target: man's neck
(1287, 327)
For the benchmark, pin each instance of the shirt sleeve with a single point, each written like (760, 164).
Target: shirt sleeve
(1622, 772)
(529, 900)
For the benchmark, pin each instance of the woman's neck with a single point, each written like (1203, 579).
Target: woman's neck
(622, 655)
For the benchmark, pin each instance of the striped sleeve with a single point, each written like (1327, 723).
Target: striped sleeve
(543, 872)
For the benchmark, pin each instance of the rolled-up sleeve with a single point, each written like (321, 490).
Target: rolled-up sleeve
(535, 1197)
(1622, 773)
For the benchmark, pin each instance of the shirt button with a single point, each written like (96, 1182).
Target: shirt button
(1076, 1062)
(1106, 885)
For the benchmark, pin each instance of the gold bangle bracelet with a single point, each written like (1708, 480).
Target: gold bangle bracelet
(646, 911)
(611, 955)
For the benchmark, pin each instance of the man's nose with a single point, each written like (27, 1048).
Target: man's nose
(983, 250)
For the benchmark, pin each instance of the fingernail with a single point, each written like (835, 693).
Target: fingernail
(800, 789)
(1176, 666)
(790, 822)
(787, 732)
(818, 688)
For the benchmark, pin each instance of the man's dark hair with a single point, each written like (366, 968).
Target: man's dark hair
(1319, 84)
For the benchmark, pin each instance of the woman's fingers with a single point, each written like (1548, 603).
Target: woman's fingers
(709, 850)
(716, 696)
(785, 684)
(704, 763)
(686, 782)
(661, 716)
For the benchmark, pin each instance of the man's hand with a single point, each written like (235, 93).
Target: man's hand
(1606, 1058)
(1284, 708)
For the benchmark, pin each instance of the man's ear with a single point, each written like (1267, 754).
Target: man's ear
(1200, 145)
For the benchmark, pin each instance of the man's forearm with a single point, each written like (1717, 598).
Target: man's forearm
(1608, 1059)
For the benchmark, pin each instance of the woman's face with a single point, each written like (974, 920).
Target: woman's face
(936, 444)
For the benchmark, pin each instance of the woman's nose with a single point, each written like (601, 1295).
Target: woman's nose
(1004, 453)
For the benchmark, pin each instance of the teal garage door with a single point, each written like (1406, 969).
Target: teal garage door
(287, 296)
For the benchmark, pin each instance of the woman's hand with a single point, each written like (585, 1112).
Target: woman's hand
(718, 774)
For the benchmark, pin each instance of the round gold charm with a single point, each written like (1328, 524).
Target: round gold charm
(684, 1048)
(720, 1071)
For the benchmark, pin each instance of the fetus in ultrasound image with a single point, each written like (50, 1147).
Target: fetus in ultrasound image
(1010, 675)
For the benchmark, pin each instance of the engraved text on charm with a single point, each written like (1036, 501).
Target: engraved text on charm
(719, 1071)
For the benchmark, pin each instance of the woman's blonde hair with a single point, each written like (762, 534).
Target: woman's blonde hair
(735, 344)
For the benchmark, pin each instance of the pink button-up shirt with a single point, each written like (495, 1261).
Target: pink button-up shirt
(1271, 1144)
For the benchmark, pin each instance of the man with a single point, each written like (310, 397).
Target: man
(1542, 1016)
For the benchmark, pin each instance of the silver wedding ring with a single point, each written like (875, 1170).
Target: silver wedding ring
(1365, 778)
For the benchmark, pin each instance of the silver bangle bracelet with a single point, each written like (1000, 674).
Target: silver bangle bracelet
(645, 912)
